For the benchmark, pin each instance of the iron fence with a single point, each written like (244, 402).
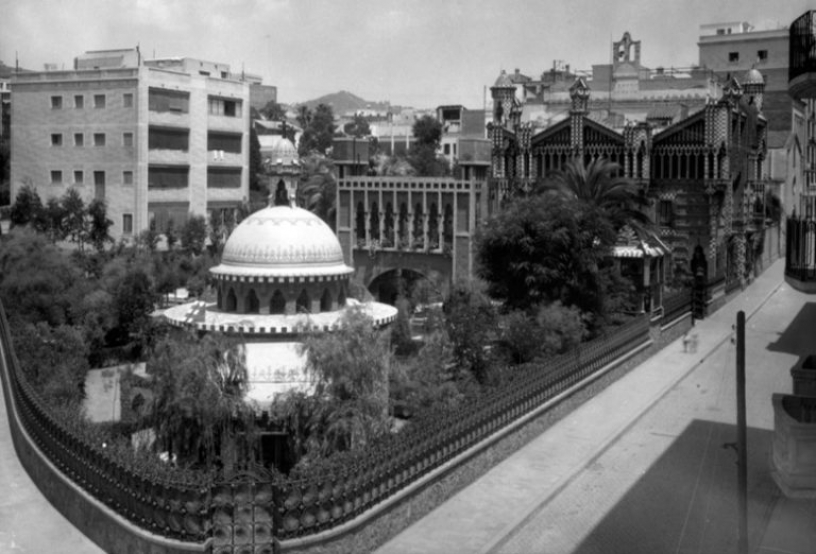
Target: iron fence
(676, 305)
(250, 513)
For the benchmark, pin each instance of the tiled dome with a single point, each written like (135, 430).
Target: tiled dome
(282, 241)
(753, 77)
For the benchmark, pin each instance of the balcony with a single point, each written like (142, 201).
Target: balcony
(802, 52)
(800, 254)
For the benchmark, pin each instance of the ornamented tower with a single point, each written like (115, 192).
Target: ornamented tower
(579, 94)
(754, 88)
(506, 117)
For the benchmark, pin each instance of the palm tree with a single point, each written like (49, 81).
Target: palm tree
(600, 186)
(317, 189)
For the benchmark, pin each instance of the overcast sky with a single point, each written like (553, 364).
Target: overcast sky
(420, 53)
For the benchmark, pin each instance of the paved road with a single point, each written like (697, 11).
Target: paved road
(642, 467)
(669, 483)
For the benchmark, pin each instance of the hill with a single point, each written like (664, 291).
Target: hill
(344, 101)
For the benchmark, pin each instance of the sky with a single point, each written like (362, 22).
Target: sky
(420, 53)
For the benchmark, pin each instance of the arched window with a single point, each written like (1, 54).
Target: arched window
(219, 299)
(277, 305)
(341, 297)
(419, 231)
(326, 301)
(359, 224)
(281, 194)
(253, 305)
(447, 226)
(388, 239)
(433, 228)
(232, 301)
(402, 226)
(374, 228)
(303, 304)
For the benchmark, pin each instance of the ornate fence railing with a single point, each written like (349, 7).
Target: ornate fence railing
(676, 305)
(177, 509)
(331, 498)
(252, 512)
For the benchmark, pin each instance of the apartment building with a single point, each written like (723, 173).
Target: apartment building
(156, 139)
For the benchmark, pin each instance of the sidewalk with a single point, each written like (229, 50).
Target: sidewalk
(489, 514)
(29, 524)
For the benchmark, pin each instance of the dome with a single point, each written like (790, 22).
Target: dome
(282, 241)
(754, 77)
(278, 149)
(503, 80)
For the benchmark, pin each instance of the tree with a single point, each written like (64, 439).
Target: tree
(317, 188)
(170, 234)
(75, 225)
(600, 186)
(273, 111)
(134, 301)
(349, 406)
(423, 153)
(99, 227)
(194, 234)
(470, 320)
(425, 161)
(357, 127)
(27, 206)
(54, 360)
(256, 166)
(318, 130)
(53, 216)
(149, 238)
(542, 249)
(199, 411)
(37, 279)
(428, 131)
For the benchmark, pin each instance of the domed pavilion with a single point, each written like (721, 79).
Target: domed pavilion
(281, 271)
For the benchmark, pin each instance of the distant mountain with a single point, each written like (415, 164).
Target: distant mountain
(344, 101)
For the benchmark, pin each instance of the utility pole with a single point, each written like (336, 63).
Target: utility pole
(742, 439)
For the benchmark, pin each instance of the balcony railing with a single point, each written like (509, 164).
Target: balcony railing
(802, 56)
(800, 254)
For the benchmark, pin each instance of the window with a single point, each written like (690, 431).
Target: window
(161, 100)
(56, 139)
(762, 56)
(127, 177)
(161, 138)
(127, 100)
(56, 102)
(79, 139)
(79, 177)
(56, 177)
(223, 178)
(127, 140)
(99, 139)
(665, 213)
(733, 57)
(99, 100)
(79, 101)
(228, 142)
(127, 224)
(99, 185)
(225, 107)
(167, 177)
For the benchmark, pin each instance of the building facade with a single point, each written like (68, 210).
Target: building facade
(155, 139)
(702, 174)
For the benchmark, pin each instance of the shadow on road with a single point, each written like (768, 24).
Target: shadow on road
(687, 501)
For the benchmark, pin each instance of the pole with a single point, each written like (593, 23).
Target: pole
(742, 446)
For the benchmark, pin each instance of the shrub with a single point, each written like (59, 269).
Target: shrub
(562, 328)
